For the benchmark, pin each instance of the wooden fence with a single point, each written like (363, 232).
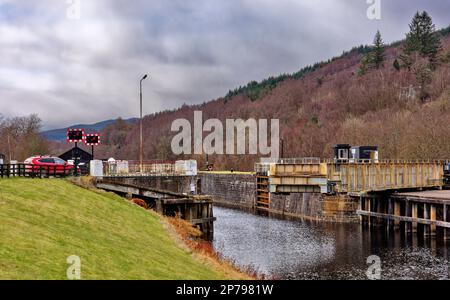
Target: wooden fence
(33, 171)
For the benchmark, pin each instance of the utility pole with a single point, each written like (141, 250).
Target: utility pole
(9, 148)
(141, 147)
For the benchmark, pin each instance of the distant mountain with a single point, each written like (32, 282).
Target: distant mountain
(60, 134)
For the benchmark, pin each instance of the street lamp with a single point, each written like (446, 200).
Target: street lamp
(141, 147)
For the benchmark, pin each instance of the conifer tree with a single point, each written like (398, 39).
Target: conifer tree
(377, 55)
(422, 40)
(375, 58)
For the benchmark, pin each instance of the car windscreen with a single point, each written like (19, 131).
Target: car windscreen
(59, 161)
(46, 160)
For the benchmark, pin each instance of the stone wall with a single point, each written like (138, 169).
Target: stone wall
(297, 204)
(314, 206)
(230, 190)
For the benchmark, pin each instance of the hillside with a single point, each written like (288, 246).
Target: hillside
(44, 223)
(61, 133)
(317, 107)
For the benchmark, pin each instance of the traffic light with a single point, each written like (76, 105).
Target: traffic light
(92, 139)
(75, 135)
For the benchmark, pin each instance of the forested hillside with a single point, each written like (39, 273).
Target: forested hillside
(394, 96)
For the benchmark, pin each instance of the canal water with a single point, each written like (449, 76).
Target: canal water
(282, 249)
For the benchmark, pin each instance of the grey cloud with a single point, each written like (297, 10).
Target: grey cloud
(194, 50)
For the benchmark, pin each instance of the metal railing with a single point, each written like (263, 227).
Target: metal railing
(291, 161)
(133, 168)
(316, 160)
(33, 171)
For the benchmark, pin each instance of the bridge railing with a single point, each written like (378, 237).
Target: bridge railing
(148, 168)
(290, 161)
(28, 170)
(120, 168)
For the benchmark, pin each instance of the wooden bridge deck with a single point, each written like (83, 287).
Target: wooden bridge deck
(441, 196)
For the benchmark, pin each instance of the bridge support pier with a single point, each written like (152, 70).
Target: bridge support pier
(159, 206)
(446, 218)
(426, 216)
(414, 215)
(369, 208)
(397, 213)
(433, 218)
(408, 225)
(389, 211)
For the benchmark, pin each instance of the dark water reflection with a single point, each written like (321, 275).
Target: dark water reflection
(304, 250)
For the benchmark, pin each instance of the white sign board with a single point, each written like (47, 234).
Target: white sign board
(96, 168)
(186, 167)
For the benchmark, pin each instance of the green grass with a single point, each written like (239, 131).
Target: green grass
(42, 222)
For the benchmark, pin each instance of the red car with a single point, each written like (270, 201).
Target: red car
(48, 165)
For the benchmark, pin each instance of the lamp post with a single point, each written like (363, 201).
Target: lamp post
(141, 147)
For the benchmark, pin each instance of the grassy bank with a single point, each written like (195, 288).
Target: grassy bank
(42, 222)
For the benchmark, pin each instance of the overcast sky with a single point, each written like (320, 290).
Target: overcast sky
(83, 68)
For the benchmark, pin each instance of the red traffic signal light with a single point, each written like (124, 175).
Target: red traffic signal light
(92, 139)
(75, 135)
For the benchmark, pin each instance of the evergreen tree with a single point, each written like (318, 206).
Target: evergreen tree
(422, 40)
(364, 66)
(377, 55)
(374, 59)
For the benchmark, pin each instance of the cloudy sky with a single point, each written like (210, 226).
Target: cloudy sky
(80, 61)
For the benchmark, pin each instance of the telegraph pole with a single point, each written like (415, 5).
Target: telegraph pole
(141, 147)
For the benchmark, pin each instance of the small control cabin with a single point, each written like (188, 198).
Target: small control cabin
(344, 153)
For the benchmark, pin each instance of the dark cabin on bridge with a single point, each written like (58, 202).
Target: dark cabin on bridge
(341, 152)
(344, 153)
(364, 153)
